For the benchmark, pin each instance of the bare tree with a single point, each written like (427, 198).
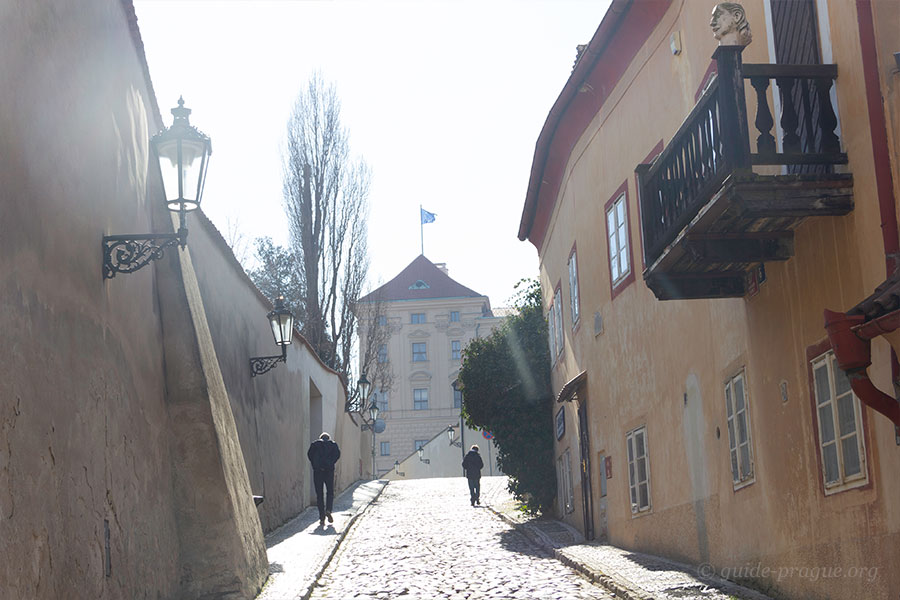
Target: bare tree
(326, 201)
(375, 362)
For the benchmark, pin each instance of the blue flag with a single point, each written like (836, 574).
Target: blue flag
(427, 217)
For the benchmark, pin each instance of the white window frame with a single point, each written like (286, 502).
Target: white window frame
(455, 350)
(735, 417)
(382, 356)
(420, 356)
(419, 444)
(454, 316)
(387, 446)
(634, 480)
(565, 492)
(381, 398)
(551, 332)
(573, 288)
(829, 405)
(423, 397)
(618, 242)
(560, 333)
(457, 394)
(382, 320)
(417, 318)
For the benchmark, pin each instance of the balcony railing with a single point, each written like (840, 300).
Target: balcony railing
(713, 142)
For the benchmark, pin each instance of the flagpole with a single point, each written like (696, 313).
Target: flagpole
(421, 230)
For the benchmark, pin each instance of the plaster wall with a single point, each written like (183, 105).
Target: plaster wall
(664, 364)
(272, 410)
(445, 459)
(83, 415)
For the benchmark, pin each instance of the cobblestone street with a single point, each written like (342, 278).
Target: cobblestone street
(422, 539)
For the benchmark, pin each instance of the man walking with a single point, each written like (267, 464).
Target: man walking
(322, 455)
(472, 465)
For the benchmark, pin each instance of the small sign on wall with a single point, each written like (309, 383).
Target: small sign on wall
(608, 466)
(561, 423)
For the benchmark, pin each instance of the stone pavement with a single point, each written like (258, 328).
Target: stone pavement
(300, 549)
(422, 540)
(627, 574)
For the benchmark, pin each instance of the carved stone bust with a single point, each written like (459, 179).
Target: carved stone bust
(729, 24)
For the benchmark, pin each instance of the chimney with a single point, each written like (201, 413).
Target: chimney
(443, 268)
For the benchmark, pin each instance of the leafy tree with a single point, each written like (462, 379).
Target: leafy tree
(505, 380)
(278, 274)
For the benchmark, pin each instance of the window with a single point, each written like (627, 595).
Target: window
(419, 443)
(418, 351)
(457, 395)
(573, 287)
(420, 399)
(638, 469)
(455, 350)
(417, 318)
(560, 334)
(382, 353)
(565, 492)
(385, 448)
(551, 331)
(617, 231)
(839, 419)
(382, 320)
(739, 431)
(454, 316)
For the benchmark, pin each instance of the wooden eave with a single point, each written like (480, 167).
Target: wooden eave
(748, 221)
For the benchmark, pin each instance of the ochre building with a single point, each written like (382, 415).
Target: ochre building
(703, 205)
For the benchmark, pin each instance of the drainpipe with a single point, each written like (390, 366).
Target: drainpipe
(854, 355)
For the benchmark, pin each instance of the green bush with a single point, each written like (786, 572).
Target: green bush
(505, 380)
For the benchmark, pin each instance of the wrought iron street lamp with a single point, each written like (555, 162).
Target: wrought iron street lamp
(363, 387)
(397, 469)
(183, 153)
(281, 320)
(451, 433)
(421, 452)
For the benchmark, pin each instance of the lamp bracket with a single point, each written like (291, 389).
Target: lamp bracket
(130, 252)
(456, 443)
(264, 364)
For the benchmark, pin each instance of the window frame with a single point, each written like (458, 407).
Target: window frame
(551, 332)
(633, 482)
(739, 480)
(456, 393)
(419, 444)
(618, 284)
(382, 354)
(418, 401)
(574, 296)
(455, 352)
(419, 356)
(383, 446)
(560, 331)
(454, 313)
(844, 482)
(417, 318)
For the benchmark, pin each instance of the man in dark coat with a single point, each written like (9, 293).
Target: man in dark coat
(322, 454)
(472, 465)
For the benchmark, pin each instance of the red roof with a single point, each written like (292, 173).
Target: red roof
(421, 280)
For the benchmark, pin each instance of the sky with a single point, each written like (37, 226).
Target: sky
(444, 100)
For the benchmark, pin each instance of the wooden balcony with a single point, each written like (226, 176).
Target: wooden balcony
(706, 216)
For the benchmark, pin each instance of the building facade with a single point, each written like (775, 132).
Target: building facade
(424, 319)
(697, 206)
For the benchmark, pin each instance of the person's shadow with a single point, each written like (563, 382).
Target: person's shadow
(325, 530)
